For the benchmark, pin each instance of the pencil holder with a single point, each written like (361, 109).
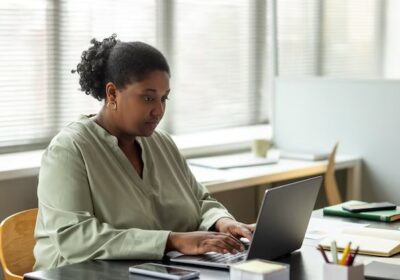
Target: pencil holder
(343, 272)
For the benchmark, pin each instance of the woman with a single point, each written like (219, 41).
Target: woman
(110, 186)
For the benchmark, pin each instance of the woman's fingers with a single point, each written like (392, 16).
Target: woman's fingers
(242, 230)
(193, 243)
(231, 244)
(251, 227)
(222, 243)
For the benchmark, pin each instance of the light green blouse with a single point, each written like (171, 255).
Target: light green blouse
(94, 205)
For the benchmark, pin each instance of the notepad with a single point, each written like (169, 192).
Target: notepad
(372, 241)
(383, 216)
(235, 160)
(259, 270)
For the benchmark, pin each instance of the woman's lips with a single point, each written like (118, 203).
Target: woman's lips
(153, 125)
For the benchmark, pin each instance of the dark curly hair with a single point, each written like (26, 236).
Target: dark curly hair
(118, 62)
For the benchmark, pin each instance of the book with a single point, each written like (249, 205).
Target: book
(371, 241)
(382, 215)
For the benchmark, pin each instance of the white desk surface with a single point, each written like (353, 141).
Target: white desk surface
(217, 180)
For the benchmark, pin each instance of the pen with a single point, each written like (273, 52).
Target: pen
(348, 259)
(334, 252)
(346, 251)
(323, 253)
(354, 255)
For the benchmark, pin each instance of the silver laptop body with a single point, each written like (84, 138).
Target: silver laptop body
(281, 226)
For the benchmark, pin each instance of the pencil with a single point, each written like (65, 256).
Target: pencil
(346, 251)
(354, 255)
(334, 252)
(323, 253)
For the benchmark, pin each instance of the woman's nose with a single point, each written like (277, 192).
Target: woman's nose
(158, 109)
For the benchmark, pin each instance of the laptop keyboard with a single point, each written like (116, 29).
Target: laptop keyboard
(224, 258)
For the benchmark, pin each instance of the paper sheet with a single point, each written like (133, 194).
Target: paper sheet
(319, 228)
(208, 175)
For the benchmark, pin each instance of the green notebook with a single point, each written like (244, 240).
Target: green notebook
(383, 216)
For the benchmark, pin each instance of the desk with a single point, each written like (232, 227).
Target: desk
(27, 164)
(305, 264)
(285, 169)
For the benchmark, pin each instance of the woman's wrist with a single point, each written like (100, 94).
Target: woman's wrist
(169, 246)
(220, 223)
(172, 241)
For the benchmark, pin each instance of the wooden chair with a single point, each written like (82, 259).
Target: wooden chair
(16, 244)
(330, 184)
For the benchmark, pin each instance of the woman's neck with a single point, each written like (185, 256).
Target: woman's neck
(105, 120)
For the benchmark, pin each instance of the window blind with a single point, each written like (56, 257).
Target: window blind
(333, 38)
(213, 47)
(297, 31)
(213, 67)
(24, 70)
(79, 22)
(350, 38)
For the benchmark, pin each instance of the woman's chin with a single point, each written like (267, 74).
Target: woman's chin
(148, 131)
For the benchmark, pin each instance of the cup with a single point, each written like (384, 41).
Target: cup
(343, 272)
(260, 147)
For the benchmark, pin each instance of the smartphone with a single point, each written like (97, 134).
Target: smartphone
(364, 207)
(163, 271)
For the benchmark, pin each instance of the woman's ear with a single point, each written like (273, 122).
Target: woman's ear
(111, 95)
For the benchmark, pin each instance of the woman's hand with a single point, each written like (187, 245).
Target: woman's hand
(238, 230)
(200, 242)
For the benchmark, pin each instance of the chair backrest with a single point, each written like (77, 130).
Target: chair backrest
(330, 184)
(16, 244)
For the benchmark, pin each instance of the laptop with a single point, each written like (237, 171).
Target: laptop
(280, 229)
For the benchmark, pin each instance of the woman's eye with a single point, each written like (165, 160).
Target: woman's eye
(165, 99)
(148, 98)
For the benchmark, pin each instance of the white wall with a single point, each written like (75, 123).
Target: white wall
(17, 195)
(364, 115)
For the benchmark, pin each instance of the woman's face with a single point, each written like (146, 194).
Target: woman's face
(141, 105)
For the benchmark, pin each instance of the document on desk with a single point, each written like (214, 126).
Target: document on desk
(207, 175)
(320, 228)
(234, 160)
(371, 241)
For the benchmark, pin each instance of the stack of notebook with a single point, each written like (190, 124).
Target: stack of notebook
(371, 241)
(383, 216)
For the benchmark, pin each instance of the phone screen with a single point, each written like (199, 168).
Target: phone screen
(164, 269)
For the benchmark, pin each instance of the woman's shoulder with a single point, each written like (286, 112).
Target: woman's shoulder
(72, 136)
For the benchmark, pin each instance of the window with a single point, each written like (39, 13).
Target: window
(213, 52)
(215, 49)
(25, 66)
(338, 38)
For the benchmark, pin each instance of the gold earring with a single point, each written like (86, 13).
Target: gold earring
(113, 105)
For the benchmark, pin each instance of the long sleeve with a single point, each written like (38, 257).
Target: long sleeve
(66, 215)
(210, 209)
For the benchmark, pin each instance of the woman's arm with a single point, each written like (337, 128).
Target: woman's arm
(67, 218)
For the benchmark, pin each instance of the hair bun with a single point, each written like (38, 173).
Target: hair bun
(93, 65)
